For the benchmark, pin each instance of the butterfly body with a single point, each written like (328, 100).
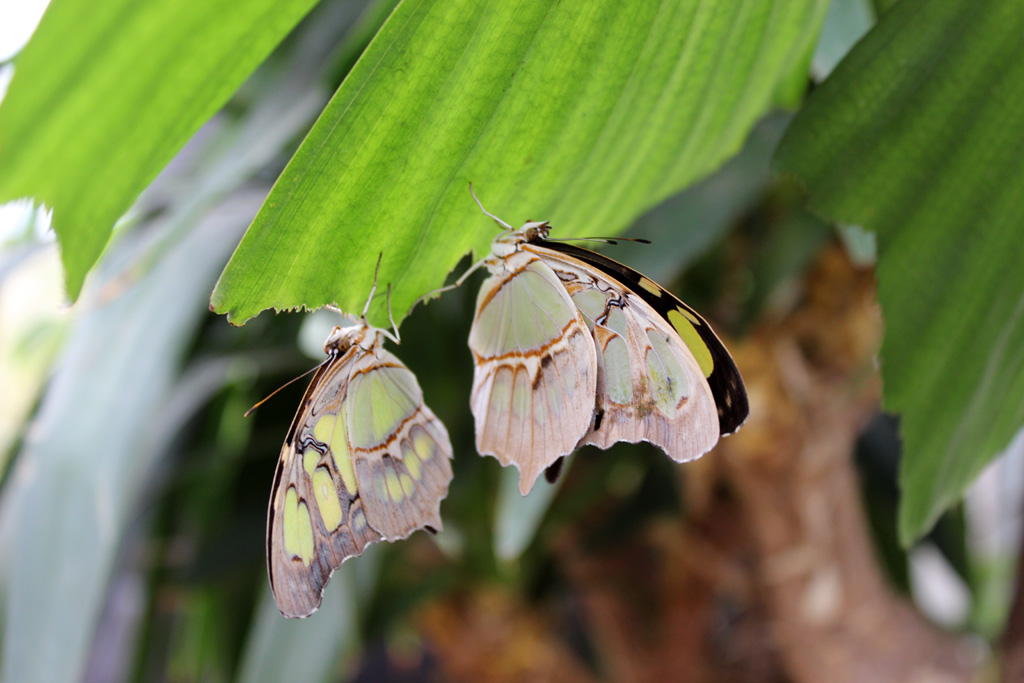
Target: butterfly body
(364, 460)
(617, 356)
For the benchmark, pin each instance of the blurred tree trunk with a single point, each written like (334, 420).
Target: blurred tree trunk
(814, 386)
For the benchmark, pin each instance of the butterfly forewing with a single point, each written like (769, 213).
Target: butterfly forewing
(535, 368)
(324, 507)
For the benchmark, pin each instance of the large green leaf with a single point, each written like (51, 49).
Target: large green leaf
(584, 112)
(917, 136)
(106, 92)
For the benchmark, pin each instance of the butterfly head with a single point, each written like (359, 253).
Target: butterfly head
(341, 339)
(509, 241)
(535, 230)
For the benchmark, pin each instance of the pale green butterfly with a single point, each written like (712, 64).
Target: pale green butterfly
(364, 460)
(572, 348)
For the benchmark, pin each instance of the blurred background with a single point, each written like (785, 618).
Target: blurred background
(773, 558)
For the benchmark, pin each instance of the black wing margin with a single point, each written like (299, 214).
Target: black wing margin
(725, 380)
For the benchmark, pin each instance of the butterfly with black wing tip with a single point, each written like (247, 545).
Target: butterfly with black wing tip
(364, 460)
(572, 348)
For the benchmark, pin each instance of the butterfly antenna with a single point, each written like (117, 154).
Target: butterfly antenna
(397, 338)
(373, 290)
(603, 240)
(472, 269)
(486, 212)
(271, 395)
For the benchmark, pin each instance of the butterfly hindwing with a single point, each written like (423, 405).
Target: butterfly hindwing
(714, 359)
(324, 507)
(535, 368)
(400, 449)
(650, 387)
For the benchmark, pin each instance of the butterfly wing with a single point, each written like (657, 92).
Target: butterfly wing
(651, 386)
(535, 368)
(717, 365)
(324, 508)
(316, 518)
(400, 449)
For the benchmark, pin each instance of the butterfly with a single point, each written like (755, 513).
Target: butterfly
(364, 460)
(572, 348)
